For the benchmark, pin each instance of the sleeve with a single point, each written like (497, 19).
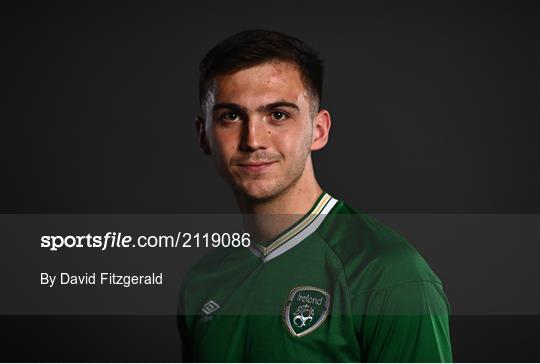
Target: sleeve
(405, 323)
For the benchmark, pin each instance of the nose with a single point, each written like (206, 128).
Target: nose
(254, 134)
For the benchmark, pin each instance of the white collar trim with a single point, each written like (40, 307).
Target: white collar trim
(296, 235)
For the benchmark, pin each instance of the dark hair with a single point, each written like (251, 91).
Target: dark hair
(254, 47)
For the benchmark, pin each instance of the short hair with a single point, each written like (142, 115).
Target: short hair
(250, 48)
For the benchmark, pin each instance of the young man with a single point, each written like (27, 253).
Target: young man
(320, 281)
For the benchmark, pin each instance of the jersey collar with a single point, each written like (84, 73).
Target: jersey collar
(297, 232)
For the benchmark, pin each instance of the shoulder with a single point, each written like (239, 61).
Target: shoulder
(209, 264)
(373, 255)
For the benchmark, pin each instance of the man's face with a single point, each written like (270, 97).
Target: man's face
(259, 128)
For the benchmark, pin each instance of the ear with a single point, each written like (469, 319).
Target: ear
(201, 132)
(321, 130)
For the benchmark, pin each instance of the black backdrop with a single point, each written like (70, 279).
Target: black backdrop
(435, 110)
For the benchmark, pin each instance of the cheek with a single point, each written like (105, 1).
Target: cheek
(294, 144)
(224, 143)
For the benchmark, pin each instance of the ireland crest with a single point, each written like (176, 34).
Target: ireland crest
(306, 310)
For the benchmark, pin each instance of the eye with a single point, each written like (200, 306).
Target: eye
(229, 116)
(279, 115)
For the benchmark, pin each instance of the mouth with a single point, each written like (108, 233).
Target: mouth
(255, 167)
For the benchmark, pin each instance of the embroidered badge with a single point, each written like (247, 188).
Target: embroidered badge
(306, 310)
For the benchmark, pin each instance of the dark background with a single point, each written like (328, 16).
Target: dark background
(435, 110)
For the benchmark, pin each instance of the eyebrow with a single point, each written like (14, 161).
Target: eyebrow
(277, 104)
(228, 105)
(273, 105)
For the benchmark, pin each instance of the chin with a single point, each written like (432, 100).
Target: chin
(259, 191)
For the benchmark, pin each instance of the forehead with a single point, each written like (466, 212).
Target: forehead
(263, 83)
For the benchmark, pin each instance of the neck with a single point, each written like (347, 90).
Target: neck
(264, 219)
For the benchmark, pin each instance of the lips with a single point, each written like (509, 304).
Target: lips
(255, 166)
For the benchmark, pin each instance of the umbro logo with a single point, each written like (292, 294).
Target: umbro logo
(210, 307)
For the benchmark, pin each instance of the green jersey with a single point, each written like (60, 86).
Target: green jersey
(335, 286)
